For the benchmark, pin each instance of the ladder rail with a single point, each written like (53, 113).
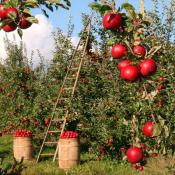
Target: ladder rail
(56, 103)
(75, 83)
(82, 59)
(59, 95)
(67, 73)
(64, 123)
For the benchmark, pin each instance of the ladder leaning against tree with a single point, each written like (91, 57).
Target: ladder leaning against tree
(70, 88)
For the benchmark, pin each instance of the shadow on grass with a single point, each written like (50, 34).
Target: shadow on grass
(6, 143)
(4, 154)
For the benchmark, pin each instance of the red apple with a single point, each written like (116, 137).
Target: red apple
(119, 158)
(134, 154)
(10, 11)
(110, 142)
(147, 67)
(139, 50)
(123, 64)
(140, 169)
(10, 27)
(112, 21)
(119, 51)
(98, 158)
(110, 77)
(148, 129)
(135, 166)
(154, 154)
(161, 79)
(101, 147)
(143, 146)
(47, 122)
(123, 150)
(130, 73)
(2, 12)
(24, 24)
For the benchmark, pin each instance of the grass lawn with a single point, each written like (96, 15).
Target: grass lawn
(155, 166)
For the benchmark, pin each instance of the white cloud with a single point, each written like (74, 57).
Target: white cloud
(38, 36)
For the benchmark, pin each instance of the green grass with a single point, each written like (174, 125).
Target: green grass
(42, 168)
(154, 166)
(102, 168)
(6, 146)
(89, 168)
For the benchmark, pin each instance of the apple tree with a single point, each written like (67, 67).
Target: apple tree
(128, 82)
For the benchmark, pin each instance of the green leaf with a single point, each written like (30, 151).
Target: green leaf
(136, 35)
(161, 120)
(100, 8)
(164, 150)
(130, 27)
(27, 11)
(49, 7)
(63, 6)
(31, 1)
(54, 1)
(13, 3)
(104, 9)
(130, 9)
(12, 16)
(127, 6)
(45, 13)
(30, 4)
(125, 122)
(68, 3)
(32, 19)
(146, 23)
(110, 42)
(5, 22)
(167, 131)
(95, 6)
(20, 32)
(156, 130)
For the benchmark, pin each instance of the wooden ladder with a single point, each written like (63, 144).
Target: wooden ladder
(71, 75)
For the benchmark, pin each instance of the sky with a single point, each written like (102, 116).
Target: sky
(39, 36)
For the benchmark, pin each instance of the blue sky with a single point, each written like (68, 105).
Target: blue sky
(39, 36)
(60, 18)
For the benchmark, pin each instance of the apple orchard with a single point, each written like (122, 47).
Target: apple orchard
(125, 101)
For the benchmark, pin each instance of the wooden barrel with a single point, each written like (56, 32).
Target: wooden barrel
(69, 153)
(22, 147)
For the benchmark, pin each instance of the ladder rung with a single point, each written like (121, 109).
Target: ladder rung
(53, 131)
(70, 78)
(74, 68)
(58, 120)
(48, 154)
(77, 59)
(69, 88)
(51, 142)
(73, 73)
(63, 99)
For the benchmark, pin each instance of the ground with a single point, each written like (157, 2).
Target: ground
(155, 166)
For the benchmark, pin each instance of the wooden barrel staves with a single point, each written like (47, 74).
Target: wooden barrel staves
(22, 147)
(69, 153)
